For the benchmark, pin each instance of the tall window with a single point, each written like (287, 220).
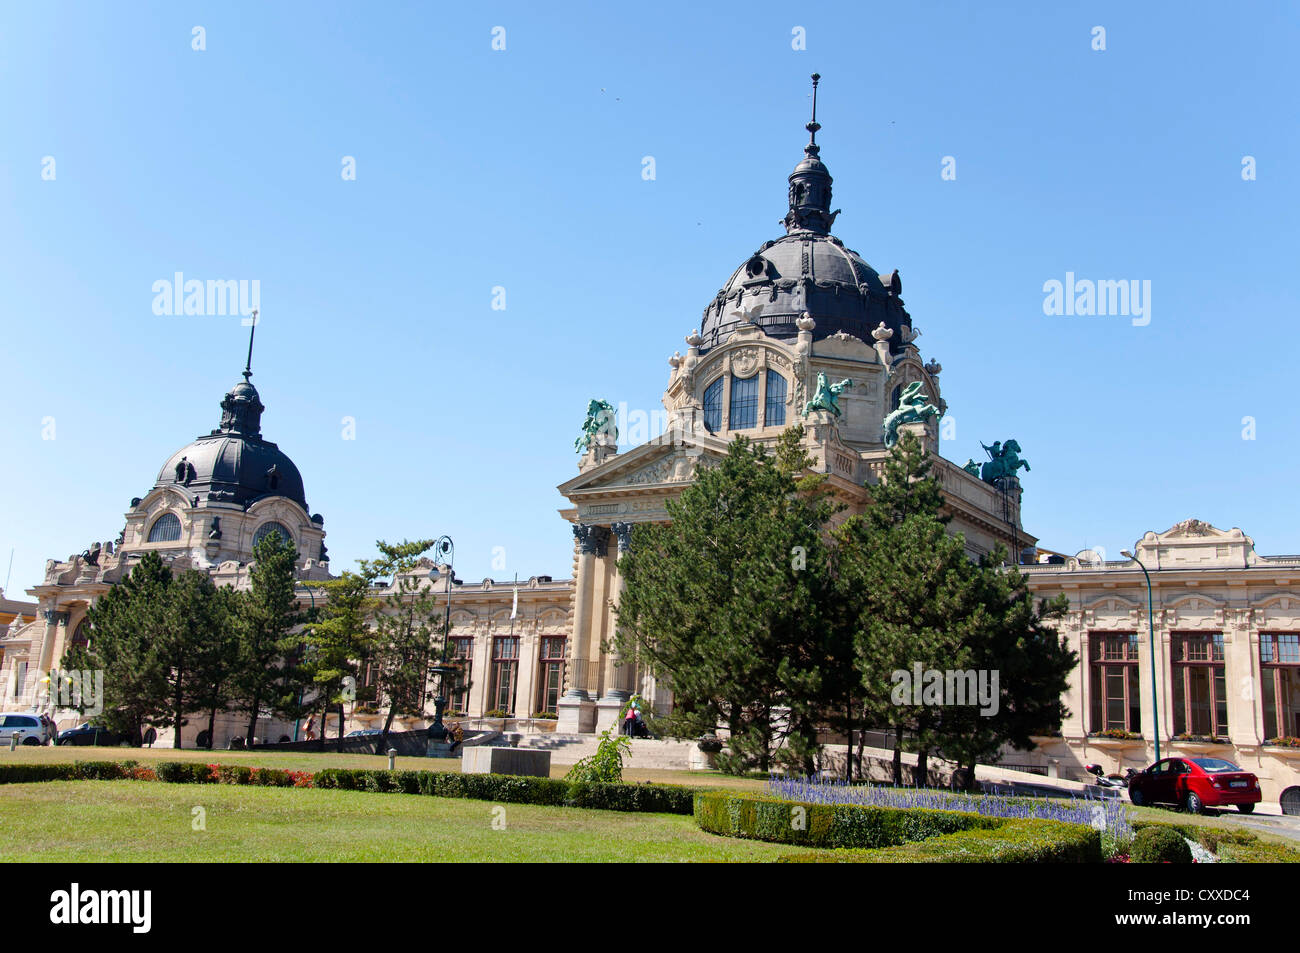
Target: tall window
(1279, 656)
(505, 670)
(462, 656)
(551, 674)
(774, 406)
(166, 529)
(81, 635)
(713, 406)
(1200, 689)
(744, 403)
(1116, 702)
(266, 529)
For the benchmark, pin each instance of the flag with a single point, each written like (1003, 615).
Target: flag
(514, 610)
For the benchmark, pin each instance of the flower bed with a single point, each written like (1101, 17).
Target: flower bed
(1107, 815)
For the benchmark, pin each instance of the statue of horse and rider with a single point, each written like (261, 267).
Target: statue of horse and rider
(912, 408)
(600, 420)
(1004, 460)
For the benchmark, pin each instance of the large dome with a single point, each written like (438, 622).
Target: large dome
(233, 464)
(806, 271)
(809, 270)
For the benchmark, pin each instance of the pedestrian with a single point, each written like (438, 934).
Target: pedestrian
(311, 728)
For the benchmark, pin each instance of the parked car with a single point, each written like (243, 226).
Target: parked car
(365, 732)
(1195, 784)
(95, 735)
(30, 729)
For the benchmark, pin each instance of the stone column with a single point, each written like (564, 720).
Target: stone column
(617, 671)
(577, 711)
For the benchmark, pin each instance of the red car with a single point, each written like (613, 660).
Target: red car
(1195, 783)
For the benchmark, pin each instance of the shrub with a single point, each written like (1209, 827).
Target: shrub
(29, 773)
(514, 789)
(1160, 845)
(606, 765)
(272, 778)
(858, 826)
(1013, 842)
(186, 772)
(103, 770)
(234, 774)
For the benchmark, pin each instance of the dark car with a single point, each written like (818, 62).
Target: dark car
(1195, 784)
(365, 732)
(89, 735)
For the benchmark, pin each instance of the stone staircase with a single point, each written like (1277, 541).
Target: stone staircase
(646, 753)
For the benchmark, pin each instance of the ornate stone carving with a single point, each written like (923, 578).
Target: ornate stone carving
(744, 362)
(1191, 527)
(623, 531)
(592, 540)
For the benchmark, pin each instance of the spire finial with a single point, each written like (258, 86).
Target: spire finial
(252, 330)
(812, 148)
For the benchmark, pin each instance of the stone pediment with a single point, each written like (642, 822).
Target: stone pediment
(651, 464)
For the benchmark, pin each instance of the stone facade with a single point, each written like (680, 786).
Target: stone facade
(1227, 655)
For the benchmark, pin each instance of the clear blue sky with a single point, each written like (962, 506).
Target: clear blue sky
(522, 169)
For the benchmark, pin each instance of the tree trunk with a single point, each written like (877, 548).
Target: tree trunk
(212, 728)
(180, 704)
(322, 733)
(388, 724)
(252, 722)
(848, 744)
(922, 775)
(898, 755)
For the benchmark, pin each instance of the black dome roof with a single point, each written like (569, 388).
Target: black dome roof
(809, 270)
(233, 464)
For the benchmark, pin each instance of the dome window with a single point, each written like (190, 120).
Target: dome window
(166, 529)
(774, 407)
(744, 403)
(713, 406)
(266, 529)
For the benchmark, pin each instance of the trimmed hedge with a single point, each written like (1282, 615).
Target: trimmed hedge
(1019, 841)
(1232, 847)
(1159, 845)
(77, 771)
(893, 834)
(827, 825)
(511, 789)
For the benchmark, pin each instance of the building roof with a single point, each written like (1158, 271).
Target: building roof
(808, 270)
(233, 464)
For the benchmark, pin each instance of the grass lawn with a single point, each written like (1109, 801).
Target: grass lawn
(314, 761)
(73, 821)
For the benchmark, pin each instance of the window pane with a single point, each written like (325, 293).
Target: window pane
(266, 529)
(744, 403)
(713, 406)
(774, 406)
(1134, 701)
(166, 529)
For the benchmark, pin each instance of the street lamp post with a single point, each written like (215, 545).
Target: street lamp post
(1151, 629)
(438, 731)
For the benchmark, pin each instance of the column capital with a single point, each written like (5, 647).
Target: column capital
(623, 531)
(592, 539)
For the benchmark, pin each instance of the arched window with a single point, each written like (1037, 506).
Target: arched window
(774, 406)
(744, 403)
(165, 529)
(713, 406)
(266, 529)
(81, 635)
